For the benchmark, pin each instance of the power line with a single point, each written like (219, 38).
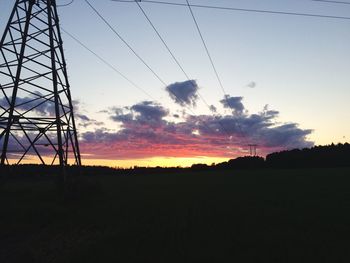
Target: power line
(258, 11)
(103, 60)
(112, 67)
(332, 2)
(261, 11)
(107, 63)
(67, 4)
(162, 39)
(140, 58)
(175, 59)
(168, 49)
(206, 48)
(121, 74)
(210, 58)
(125, 42)
(124, 76)
(129, 46)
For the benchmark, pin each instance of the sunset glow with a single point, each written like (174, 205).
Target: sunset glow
(268, 81)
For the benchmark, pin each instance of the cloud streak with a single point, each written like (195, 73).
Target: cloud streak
(233, 103)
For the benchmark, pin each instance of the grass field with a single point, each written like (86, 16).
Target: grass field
(238, 216)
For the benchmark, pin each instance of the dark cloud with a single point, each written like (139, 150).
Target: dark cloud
(34, 103)
(251, 85)
(234, 103)
(149, 111)
(260, 128)
(85, 121)
(19, 143)
(145, 133)
(102, 136)
(144, 113)
(44, 107)
(82, 117)
(184, 93)
(287, 135)
(213, 108)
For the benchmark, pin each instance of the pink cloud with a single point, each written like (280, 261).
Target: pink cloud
(145, 133)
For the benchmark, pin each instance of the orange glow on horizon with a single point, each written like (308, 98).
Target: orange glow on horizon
(155, 161)
(143, 162)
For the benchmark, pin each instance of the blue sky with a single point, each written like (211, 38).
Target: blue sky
(300, 65)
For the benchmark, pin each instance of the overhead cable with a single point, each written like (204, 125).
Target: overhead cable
(168, 49)
(106, 63)
(206, 48)
(261, 11)
(125, 42)
(175, 59)
(332, 2)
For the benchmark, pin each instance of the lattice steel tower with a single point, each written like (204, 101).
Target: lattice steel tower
(36, 110)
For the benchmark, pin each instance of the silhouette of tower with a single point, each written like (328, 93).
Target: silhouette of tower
(36, 110)
(252, 149)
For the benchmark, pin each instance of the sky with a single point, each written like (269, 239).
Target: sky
(285, 80)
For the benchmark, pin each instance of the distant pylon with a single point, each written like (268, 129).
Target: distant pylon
(252, 149)
(36, 110)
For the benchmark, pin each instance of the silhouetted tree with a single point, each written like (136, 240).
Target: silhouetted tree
(318, 156)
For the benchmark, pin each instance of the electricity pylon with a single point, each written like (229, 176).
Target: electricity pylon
(252, 149)
(36, 109)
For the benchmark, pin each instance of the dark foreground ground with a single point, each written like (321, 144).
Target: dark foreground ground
(249, 216)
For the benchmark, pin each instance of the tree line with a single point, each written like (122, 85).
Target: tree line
(315, 157)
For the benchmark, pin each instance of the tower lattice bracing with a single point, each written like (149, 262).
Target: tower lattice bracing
(36, 110)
